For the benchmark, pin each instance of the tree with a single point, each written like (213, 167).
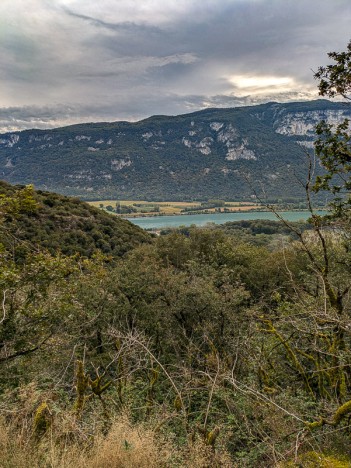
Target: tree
(22, 201)
(305, 339)
(333, 146)
(335, 79)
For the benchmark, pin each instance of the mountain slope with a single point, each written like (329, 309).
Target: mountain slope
(226, 153)
(67, 225)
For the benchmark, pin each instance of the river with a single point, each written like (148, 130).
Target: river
(159, 222)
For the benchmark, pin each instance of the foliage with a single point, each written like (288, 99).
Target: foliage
(23, 201)
(333, 146)
(335, 80)
(37, 219)
(159, 334)
(200, 347)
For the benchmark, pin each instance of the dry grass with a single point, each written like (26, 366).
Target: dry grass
(125, 446)
(70, 443)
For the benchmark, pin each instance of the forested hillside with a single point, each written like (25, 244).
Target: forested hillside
(231, 154)
(60, 224)
(197, 348)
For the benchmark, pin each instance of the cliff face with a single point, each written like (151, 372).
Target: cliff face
(227, 153)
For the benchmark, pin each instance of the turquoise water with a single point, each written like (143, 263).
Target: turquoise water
(159, 222)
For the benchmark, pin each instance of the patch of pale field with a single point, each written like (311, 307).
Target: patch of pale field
(179, 204)
(162, 203)
(113, 202)
(142, 202)
(102, 202)
(172, 207)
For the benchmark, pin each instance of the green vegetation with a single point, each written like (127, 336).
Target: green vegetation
(270, 234)
(211, 344)
(57, 223)
(219, 347)
(137, 208)
(214, 154)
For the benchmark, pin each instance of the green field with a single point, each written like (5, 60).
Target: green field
(168, 207)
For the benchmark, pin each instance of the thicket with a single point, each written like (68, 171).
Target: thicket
(192, 349)
(61, 224)
(211, 349)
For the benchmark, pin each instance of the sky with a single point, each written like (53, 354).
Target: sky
(71, 61)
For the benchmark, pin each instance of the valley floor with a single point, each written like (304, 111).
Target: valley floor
(138, 208)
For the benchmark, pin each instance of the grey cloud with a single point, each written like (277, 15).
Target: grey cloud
(127, 26)
(79, 61)
(123, 108)
(23, 118)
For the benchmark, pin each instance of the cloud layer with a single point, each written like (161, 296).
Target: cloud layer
(70, 61)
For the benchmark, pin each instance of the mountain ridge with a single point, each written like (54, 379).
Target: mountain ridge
(230, 153)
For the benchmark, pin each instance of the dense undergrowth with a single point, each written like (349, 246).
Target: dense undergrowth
(198, 348)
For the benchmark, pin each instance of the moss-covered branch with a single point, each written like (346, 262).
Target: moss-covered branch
(343, 411)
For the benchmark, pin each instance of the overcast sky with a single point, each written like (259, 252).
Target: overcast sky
(69, 61)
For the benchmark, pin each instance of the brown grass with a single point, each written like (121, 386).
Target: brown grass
(88, 443)
(125, 446)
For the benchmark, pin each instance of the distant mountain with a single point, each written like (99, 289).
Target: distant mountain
(214, 153)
